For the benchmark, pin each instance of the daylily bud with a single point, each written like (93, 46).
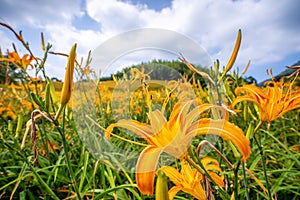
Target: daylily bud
(67, 86)
(43, 42)
(246, 67)
(19, 125)
(47, 95)
(234, 52)
(161, 190)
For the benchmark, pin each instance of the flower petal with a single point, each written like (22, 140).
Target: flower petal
(243, 98)
(218, 179)
(141, 129)
(173, 174)
(200, 109)
(157, 120)
(225, 130)
(187, 172)
(173, 191)
(213, 168)
(252, 90)
(197, 191)
(145, 169)
(175, 114)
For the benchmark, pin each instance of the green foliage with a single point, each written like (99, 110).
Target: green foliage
(9, 73)
(165, 70)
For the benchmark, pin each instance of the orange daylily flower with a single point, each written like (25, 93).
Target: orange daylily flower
(273, 102)
(189, 180)
(174, 137)
(213, 168)
(139, 74)
(51, 147)
(14, 58)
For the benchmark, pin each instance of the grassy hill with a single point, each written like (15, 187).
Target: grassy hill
(286, 72)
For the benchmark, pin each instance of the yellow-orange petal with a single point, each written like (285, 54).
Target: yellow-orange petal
(253, 91)
(191, 116)
(145, 169)
(179, 113)
(141, 129)
(173, 191)
(197, 191)
(188, 180)
(225, 130)
(157, 120)
(173, 174)
(175, 114)
(213, 168)
(242, 98)
(5, 59)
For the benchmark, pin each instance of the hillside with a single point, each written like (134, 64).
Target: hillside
(162, 70)
(286, 72)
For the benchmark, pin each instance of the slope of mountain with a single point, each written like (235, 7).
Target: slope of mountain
(286, 72)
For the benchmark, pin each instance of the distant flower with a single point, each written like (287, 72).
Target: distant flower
(273, 101)
(15, 59)
(190, 180)
(51, 147)
(139, 74)
(174, 137)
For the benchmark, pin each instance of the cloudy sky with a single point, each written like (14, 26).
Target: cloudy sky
(270, 29)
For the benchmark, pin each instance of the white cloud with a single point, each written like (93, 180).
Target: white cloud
(38, 13)
(62, 38)
(114, 16)
(144, 45)
(270, 29)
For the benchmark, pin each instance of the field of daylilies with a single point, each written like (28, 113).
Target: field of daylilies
(134, 137)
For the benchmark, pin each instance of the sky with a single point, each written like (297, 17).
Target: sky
(270, 29)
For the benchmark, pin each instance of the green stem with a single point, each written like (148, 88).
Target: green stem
(200, 168)
(264, 166)
(262, 157)
(59, 111)
(66, 150)
(257, 127)
(245, 181)
(191, 162)
(236, 191)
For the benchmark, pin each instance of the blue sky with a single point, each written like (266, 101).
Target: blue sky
(270, 29)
